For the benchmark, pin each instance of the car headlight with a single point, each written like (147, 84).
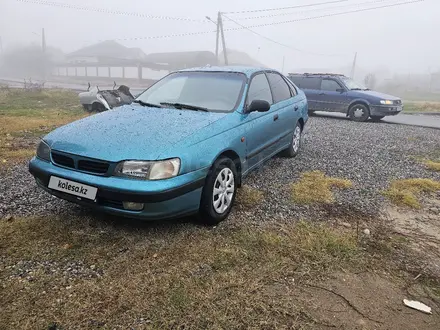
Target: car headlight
(386, 102)
(149, 170)
(43, 151)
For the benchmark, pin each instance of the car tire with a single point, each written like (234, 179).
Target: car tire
(295, 143)
(219, 192)
(359, 112)
(377, 118)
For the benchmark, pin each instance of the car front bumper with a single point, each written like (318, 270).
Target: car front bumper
(168, 198)
(385, 110)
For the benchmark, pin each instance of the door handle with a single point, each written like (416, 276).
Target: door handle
(295, 107)
(275, 117)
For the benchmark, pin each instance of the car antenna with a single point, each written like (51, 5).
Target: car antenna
(88, 86)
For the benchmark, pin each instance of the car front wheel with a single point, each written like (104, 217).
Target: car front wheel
(359, 112)
(219, 192)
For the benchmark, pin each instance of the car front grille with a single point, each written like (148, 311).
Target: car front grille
(93, 166)
(63, 160)
(86, 165)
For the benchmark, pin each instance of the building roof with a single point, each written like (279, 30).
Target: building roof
(109, 49)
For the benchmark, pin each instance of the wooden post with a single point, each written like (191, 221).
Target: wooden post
(123, 72)
(76, 72)
(97, 72)
(109, 72)
(85, 71)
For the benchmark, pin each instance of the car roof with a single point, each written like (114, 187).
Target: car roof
(247, 70)
(317, 74)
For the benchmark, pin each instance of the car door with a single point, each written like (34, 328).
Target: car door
(311, 86)
(260, 132)
(285, 109)
(332, 96)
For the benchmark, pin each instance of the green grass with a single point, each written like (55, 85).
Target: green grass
(421, 107)
(407, 192)
(315, 187)
(186, 276)
(26, 115)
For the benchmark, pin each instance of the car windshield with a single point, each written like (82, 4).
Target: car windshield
(353, 85)
(195, 90)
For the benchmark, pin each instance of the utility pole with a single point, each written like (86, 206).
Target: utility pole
(220, 26)
(354, 66)
(217, 36)
(43, 48)
(43, 41)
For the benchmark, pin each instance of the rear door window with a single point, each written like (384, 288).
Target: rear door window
(280, 89)
(297, 80)
(330, 85)
(311, 83)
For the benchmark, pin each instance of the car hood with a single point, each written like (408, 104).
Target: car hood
(129, 132)
(378, 95)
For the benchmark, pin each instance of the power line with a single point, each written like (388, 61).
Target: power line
(307, 11)
(329, 15)
(270, 24)
(109, 11)
(283, 8)
(277, 42)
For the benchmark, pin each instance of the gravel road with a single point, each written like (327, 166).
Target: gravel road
(369, 154)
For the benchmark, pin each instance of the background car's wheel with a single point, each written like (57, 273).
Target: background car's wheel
(376, 118)
(359, 112)
(295, 144)
(219, 192)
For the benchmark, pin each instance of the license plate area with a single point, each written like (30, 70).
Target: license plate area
(73, 188)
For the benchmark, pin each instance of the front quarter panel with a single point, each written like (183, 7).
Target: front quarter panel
(204, 147)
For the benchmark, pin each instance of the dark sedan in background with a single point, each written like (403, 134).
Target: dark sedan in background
(338, 93)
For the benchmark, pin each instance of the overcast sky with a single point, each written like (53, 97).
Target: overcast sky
(399, 39)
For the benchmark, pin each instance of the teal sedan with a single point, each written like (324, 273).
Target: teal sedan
(182, 147)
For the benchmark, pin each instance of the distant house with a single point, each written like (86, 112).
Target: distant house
(105, 51)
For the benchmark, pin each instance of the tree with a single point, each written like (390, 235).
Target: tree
(370, 80)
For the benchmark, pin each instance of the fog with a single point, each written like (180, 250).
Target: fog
(399, 39)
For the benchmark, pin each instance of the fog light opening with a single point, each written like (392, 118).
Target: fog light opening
(132, 206)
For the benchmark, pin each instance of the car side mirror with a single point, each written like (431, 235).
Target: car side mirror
(258, 105)
(340, 90)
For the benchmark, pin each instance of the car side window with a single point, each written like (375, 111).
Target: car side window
(280, 89)
(330, 85)
(259, 89)
(293, 90)
(310, 83)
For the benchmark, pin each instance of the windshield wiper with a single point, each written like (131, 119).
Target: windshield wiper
(146, 104)
(184, 106)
